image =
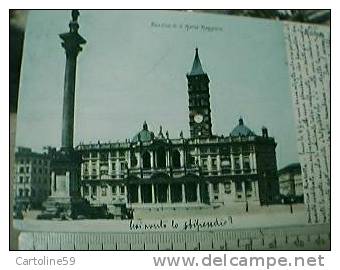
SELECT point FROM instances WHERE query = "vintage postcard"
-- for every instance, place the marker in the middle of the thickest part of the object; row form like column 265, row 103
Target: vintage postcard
column 172, row 130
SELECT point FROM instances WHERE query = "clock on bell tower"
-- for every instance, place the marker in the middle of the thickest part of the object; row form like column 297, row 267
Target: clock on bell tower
column 199, row 101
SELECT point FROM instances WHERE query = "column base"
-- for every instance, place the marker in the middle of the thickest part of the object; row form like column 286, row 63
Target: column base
column 64, row 207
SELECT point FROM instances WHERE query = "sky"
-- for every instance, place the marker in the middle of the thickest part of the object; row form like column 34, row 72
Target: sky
column 133, row 68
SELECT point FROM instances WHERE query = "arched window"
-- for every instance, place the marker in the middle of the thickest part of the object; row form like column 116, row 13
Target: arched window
column 133, row 160
column 161, row 158
column 103, row 157
column 146, row 160
column 176, row 159
column 190, row 160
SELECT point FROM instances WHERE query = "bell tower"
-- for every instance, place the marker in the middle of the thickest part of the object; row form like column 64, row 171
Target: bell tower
column 199, row 101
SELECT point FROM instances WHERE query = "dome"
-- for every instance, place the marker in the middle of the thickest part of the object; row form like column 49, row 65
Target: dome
column 144, row 135
column 241, row 130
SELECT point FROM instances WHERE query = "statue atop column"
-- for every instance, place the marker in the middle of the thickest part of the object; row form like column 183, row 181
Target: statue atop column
column 75, row 14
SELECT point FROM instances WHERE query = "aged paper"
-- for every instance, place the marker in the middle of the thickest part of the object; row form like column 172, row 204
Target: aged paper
column 308, row 52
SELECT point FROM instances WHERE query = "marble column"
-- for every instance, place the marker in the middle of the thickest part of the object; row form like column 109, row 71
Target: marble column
column 169, row 194
column 256, row 190
column 183, row 194
column 254, row 160
column 244, row 189
column 98, row 168
column 210, row 192
column 53, row 181
column 125, row 192
column 71, row 42
column 232, row 161
column 209, row 161
column 233, row 189
column 68, row 104
column 128, row 159
column 110, row 165
column 167, row 159
column 251, row 162
column 218, row 160
column 68, row 177
column 198, row 191
column 182, row 158
column 139, row 163
column 152, row 159
column 241, row 163
column 139, row 194
column 153, row 193
column 89, row 167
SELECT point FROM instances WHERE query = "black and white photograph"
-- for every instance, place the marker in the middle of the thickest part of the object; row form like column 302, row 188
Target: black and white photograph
column 172, row 130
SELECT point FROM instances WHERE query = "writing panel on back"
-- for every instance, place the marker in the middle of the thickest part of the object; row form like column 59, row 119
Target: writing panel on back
column 308, row 55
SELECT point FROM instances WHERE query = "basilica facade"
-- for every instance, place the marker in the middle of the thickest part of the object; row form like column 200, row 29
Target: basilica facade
column 153, row 170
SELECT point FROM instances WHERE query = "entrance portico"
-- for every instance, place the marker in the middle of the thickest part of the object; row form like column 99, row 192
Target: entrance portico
column 163, row 193
column 165, row 190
